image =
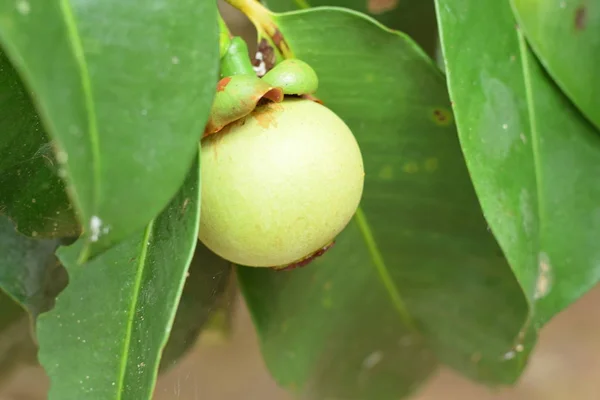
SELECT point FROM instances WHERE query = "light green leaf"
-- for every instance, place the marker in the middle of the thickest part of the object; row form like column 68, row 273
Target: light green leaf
column 566, row 37
column 533, row 158
column 104, row 338
column 415, row 279
column 124, row 88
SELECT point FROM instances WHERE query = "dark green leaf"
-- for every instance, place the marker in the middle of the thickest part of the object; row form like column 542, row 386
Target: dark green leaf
column 124, row 87
column 566, row 36
column 30, row 279
column 203, row 292
column 415, row 278
column 29, row 271
column 416, row 18
column 31, row 192
column 104, row 338
column 533, row 158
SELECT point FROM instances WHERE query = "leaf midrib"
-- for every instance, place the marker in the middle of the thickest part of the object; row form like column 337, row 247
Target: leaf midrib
column 131, row 314
column 535, row 139
column 382, row 270
column 79, row 55
column 380, row 266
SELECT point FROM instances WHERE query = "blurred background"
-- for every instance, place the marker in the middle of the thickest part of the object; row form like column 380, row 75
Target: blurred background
column 564, row 365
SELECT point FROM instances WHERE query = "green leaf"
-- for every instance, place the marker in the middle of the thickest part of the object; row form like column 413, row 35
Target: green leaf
column 416, row 278
column 124, row 89
column 30, row 279
column 104, row 338
column 564, row 35
column 533, row 158
column 416, row 18
column 29, row 271
column 31, row 192
column 209, row 276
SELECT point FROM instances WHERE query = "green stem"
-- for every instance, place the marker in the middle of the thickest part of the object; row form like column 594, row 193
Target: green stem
column 264, row 23
column 224, row 36
column 236, row 60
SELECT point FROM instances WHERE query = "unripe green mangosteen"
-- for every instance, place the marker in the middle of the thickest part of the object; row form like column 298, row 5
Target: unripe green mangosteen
column 279, row 184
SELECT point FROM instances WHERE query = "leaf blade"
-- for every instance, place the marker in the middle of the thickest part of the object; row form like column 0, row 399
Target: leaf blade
column 134, row 115
column 31, row 192
column 526, row 151
column 415, row 18
column 140, row 282
column 559, row 34
column 423, row 216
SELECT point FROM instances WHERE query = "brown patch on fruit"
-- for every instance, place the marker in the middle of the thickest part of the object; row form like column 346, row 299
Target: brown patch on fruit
column 265, row 115
column 223, row 84
column 381, row 6
column 306, row 260
column 312, row 98
column 580, row 18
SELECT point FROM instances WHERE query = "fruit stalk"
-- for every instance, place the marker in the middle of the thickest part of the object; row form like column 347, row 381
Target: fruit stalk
column 224, row 36
column 262, row 19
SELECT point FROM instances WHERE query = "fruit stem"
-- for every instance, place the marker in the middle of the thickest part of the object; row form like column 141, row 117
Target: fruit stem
column 224, row 36
column 263, row 20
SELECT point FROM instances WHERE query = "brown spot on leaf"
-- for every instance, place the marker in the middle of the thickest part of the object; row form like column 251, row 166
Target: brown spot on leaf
column 223, row 83
column 381, row 6
column 580, row 18
column 442, row 116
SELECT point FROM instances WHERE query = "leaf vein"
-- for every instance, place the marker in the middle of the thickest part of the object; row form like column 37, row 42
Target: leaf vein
column 78, row 53
column 134, row 301
column 383, row 270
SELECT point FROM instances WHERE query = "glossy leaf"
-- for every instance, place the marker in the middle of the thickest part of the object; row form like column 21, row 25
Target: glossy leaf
column 31, row 192
column 204, row 290
column 106, row 333
column 416, row 278
column 416, row 18
column 533, row 158
column 124, row 88
column 565, row 36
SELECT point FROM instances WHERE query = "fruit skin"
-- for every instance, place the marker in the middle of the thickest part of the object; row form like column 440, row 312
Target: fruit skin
column 279, row 184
